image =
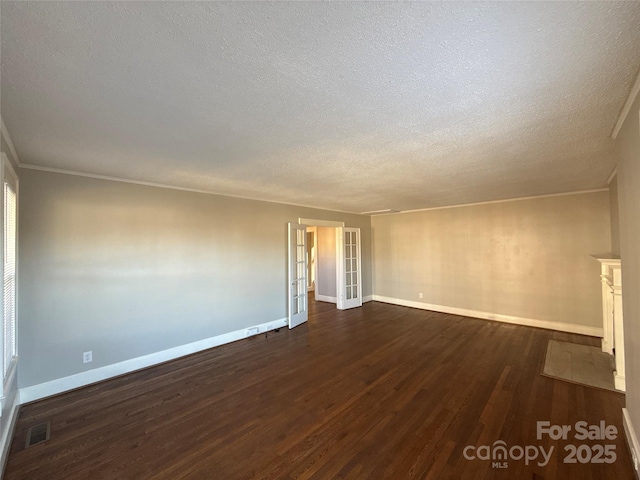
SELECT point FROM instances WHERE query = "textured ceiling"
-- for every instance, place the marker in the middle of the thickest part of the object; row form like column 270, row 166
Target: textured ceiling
column 348, row 106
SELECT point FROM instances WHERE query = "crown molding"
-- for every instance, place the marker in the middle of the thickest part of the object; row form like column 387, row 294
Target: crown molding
column 7, row 137
column 627, row 107
column 379, row 212
column 532, row 197
column 319, row 223
column 170, row 187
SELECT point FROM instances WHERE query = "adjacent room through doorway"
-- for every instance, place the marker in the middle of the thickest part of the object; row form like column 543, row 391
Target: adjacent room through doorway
column 328, row 256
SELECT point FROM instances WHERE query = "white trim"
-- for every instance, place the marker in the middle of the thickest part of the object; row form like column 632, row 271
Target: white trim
column 7, row 137
column 63, row 171
column 627, row 107
column 12, row 172
column 315, row 223
column 7, row 434
column 325, row 298
column 311, row 222
column 302, row 221
column 8, row 175
column 340, row 268
column 9, row 409
column 632, row 441
column 528, row 322
column 532, row 197
column 314, row 280
column 379, row 212
column 10, row 378
column 613, row 174
column 60, row 385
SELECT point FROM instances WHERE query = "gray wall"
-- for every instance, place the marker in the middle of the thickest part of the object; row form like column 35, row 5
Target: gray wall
column 526, row 258
column 615, row 223
column 628, row 147
column 326, row 262
column 126, row 270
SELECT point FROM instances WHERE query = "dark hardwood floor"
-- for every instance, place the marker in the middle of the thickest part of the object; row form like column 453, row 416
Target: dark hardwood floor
column 376, row 392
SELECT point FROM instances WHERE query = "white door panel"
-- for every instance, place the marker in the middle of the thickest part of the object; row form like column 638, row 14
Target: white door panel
column 349, row 268
column 297, row 311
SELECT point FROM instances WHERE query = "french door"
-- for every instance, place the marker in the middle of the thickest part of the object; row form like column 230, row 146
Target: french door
column 297, row 275
column 349, row 271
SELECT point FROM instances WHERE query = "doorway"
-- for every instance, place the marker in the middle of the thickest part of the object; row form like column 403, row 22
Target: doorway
column 326, row 286
column 341, row 275
column 325, row 260
column 312, row 252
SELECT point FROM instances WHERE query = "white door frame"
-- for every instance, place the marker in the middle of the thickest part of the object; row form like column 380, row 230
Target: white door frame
column 314, row 222
column 340, row 261
column 314, row 258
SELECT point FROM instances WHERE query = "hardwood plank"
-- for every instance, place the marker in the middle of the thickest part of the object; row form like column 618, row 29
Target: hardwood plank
column 376, row 392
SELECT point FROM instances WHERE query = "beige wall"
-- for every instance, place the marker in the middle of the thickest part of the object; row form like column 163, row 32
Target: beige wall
column 527, row 258
column 615, row 224
column 628, row 147
column 128, row 270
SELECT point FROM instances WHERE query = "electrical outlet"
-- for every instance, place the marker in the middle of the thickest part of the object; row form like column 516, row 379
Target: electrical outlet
column 420, row 295
column 252, row 331
column 87, row 357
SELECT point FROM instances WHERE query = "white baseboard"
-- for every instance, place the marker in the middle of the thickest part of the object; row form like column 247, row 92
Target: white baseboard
column 60, row 385
column 528, row 322
column 632, row 441
column 325, row 298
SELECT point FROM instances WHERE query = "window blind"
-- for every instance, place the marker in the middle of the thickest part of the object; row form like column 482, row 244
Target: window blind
column 9, row 284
